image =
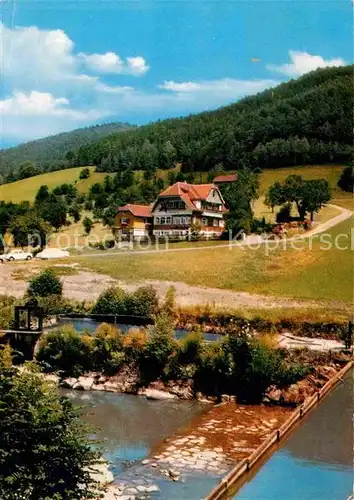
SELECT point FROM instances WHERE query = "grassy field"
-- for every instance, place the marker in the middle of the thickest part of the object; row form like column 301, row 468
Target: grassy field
column 26, row 189
column 310, row 272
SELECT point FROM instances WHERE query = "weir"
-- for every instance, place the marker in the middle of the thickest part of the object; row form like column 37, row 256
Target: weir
column 319, row 449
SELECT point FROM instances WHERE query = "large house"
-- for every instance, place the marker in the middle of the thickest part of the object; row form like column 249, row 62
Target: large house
column 133, row 222
column 183, row 209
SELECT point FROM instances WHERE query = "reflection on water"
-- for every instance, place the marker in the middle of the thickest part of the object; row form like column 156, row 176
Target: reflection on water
column 89, row 326
column 316, row 461
column 131, row 425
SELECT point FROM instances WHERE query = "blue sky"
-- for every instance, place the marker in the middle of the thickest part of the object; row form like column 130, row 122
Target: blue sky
column 68, row 64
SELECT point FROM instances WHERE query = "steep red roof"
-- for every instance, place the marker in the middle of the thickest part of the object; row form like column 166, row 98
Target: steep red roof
column 192, row 191
column 225, row 178
column 189, row 193
column 137, row 210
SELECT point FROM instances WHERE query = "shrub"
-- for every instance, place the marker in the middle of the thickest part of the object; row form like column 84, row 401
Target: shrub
column 143, row 302
column 85, row 173
column 346, row 180
column 191, row 347
column 284, row 214
column 65, row 350
column 47, row 283
column 160, row 346
column 7, row 307
column 45, row 451
column 107, row 348
column 169, row 305
column 111, row 301
column 134, row 343
column 88, row 224
column 255, row 366
column 213, row 370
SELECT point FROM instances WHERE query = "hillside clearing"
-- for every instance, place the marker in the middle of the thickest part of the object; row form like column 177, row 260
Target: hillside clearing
column 26, row 189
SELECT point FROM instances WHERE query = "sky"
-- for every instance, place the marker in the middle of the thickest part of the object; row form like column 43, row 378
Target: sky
column 69, row 64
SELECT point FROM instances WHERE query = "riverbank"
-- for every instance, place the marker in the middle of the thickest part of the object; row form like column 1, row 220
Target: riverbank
column 127, row 381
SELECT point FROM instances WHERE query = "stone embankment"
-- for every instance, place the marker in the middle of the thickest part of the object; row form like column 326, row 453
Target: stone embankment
column 128, row 382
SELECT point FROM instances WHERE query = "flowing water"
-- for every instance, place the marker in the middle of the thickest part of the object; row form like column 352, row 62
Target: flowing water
column 316, row 461
column 131, row 426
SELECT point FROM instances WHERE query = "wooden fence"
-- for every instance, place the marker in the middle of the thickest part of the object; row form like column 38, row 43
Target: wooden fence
column 246, row 464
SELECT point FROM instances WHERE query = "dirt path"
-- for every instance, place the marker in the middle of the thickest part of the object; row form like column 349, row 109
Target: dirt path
column 85, row 285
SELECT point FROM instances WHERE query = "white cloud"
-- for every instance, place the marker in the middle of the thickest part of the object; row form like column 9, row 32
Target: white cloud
column 137, row 65
column 303, row 62
column 215, row 92
column 46, row 60
column 180, row 87
column 38, row 114
column 112, row 63
column 38, row 104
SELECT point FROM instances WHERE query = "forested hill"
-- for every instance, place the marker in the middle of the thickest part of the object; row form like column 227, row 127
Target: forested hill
column 51, row 152
column 304, row 121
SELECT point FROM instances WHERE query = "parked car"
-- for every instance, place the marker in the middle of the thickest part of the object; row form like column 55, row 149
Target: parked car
column 17, row 255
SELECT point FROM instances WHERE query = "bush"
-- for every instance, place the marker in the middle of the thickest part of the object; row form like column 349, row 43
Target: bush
column 284, row 214
column 7, row 308
column 191, row 348
column 111, row 301
column 346, row 180
column 143, row 302
column 85, row 173
column 107, row 348
column 44, row 285
column 134, row 343
column 160, row 346
column 169, row 305
column 213, row 370
column 65, row 350
column 256, row 366
column 260, row 226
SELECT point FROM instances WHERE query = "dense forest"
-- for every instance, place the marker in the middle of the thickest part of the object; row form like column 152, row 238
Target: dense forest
column 51, row 153
column 304, row 121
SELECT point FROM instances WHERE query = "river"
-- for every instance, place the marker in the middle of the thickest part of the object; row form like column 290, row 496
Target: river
column 89, row 326
column 316, row 461
column 131, row 426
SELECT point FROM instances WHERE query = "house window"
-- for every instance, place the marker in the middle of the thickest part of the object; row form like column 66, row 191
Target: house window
column 124, row 220
column 215, row 222
column 176, row 220
column 204, row 221
column 157, row 221
column 221, row 223
column 168, row 220
column 163, row 221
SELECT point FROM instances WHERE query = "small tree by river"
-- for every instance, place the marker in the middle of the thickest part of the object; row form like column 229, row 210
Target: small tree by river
column 44, row 449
